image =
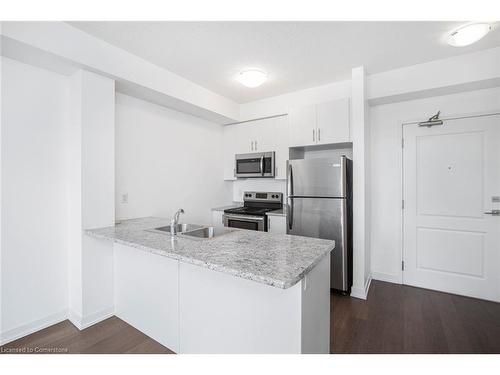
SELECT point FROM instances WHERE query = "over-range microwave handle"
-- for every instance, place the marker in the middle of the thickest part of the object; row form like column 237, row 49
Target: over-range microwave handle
column 262, row 165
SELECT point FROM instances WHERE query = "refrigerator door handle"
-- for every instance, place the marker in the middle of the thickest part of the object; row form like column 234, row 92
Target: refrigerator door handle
column 289, row 211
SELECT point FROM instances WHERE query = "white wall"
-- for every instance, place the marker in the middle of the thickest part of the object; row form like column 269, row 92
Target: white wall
column 167, row 160
column 281, row 104
column 1, row 126
column 52, row 45
column 386, row 154
column 92, row 196
column 360, row 135
column 34, row 202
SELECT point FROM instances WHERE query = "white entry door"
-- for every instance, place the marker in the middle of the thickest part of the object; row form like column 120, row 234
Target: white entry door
column 451, row 178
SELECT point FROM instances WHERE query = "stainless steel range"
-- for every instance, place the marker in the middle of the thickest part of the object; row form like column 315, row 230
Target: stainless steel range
column 253, row 213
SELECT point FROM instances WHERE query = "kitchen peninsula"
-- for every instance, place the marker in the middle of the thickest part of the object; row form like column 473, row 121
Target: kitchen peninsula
column 238, row 292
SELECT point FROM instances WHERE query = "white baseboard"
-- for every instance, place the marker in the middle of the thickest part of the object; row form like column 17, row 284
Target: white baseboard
column 29, row 328
column 362, row 293
column 91, row 319
column 388, row 277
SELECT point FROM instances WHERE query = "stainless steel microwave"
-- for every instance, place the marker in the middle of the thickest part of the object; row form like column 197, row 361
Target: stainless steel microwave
column 259, row 164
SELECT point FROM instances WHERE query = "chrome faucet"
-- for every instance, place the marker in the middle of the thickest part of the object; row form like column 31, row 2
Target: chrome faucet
column 175, row 221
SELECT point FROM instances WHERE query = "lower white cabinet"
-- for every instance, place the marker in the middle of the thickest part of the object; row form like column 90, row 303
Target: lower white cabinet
column 147, row 293
column 193, row 309
column 276, row 224
column 217, row 219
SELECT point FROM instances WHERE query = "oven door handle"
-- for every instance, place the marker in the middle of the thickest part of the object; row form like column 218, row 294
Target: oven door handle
column 262, row 165
column 244, row 217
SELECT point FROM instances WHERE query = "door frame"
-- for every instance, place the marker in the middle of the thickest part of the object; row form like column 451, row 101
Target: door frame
column 401, row 161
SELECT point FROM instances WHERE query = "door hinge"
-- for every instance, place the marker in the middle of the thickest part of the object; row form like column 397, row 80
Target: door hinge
column 402, row 265
column 402, row 204
column 402, row 143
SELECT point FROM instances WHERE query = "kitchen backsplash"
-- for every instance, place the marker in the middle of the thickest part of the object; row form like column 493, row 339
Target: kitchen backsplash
column 256, row 184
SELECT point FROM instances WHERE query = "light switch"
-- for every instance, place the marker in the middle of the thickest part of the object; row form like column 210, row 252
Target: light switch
column 125, row 198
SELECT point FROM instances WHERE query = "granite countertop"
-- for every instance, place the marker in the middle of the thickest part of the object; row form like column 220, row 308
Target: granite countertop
column 280, row 212
column 279, row 260
column 233, row 205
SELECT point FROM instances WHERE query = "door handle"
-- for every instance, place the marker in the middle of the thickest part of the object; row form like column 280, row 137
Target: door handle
column 289, row 179
column 493, row 213
column 313, row 135
column 319, row 134
column 289, row 209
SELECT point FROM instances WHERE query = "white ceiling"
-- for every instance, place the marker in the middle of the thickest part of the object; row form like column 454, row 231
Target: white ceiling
column 296, row 55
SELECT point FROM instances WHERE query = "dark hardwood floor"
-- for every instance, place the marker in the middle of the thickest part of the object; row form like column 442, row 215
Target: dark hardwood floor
column 394, row 319
column 402, row 319
column 110, row 336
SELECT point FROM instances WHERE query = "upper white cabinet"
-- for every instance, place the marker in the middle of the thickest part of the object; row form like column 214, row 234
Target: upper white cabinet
column 303, row 126
column 281, row 143
column 320, row 124
column 230, row 136
column 333, row 122
column 256, row 136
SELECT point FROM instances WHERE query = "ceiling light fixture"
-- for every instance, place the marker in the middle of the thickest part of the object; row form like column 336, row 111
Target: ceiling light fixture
column 468, row 34
column 252, row 77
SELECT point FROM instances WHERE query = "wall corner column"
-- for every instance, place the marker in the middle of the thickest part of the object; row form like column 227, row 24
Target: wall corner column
column 361, row 184
column 91, row 197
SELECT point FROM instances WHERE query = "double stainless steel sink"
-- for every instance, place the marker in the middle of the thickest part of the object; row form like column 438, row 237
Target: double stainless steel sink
column 193, row 231
column 180, row 228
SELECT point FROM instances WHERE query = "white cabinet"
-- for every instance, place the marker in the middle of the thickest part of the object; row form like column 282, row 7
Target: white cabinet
column 217, row 219
column 256, row 136
column 332, row 121
column 303, row 126
column 281, row 143
column 147, row 293
column 323, row 123
column 229, row 150
column 276, row 224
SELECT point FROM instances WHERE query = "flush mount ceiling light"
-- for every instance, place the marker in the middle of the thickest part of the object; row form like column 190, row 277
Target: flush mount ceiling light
column 468, row 34
column 251, row 77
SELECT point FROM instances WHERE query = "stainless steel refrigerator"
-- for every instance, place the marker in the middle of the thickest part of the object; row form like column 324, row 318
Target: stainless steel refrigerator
column 319, row 204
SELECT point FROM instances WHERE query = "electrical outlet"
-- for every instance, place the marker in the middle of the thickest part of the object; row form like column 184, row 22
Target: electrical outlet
column 125, row 198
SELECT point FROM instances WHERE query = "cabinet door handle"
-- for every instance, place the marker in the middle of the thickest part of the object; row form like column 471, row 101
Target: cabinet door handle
column 313, row 136
column 319, row 134
column 251, row 146
column 255, row 143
